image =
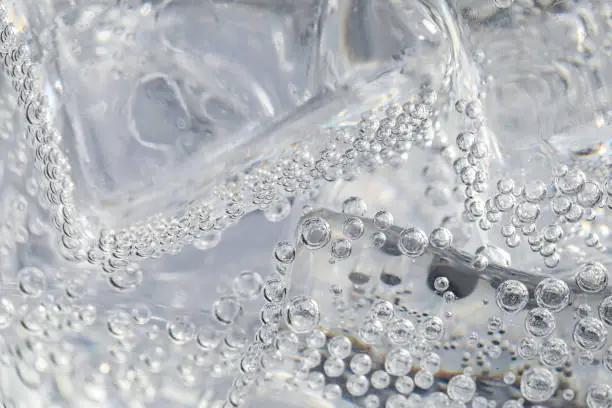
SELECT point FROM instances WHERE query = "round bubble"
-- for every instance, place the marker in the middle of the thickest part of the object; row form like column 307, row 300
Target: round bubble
column 552, row 294
column 590, row 333
column 413, row 242
column 302, row 314
column 512, row 296
column 592, row 277
column 538, row 384
column 461, row 388
column 316, row 233
column 605, row 310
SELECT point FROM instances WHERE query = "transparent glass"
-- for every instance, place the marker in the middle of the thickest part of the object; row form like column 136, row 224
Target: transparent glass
column 271, row 203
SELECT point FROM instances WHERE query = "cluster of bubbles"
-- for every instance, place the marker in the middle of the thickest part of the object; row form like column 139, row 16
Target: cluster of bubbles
column 517, row 208
column 390, row 349
column 395, row 350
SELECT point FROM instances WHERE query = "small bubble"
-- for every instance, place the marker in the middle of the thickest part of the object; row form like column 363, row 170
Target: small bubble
column 284, row 252
column 461, row 388
column 503, row 3
column 512, row 296
column 592, row 277
column 538, row 384
column 382, row 310
column 371, row 331
column 590, row 333
column 341, row 248
column 316, row 339
column 424, row 379
column 32, row 282
column 227, row 309
column 413, row 242
column 340, row 347
column 599, row 396
column 400, row 331
column 181, row 330
column 247, row 285
column 333, row 367
column 473, row 109
column 554, row 352
column 361, row 364
column 552, row 294
column 383, row 220
column 278, row 210
column 302, row 314
column 540, row 322
column 433, row 328
column 441, row 238
column 332, row 392
column 509, row 378
column 353, row 228
column 441, row 284
column 378, row 239
column 355, row 206
column 316, row 233
column 274, row 291
column 141, row 314
column 398, row 362
column 605, row 310
column 571, row 182
column 380, row 379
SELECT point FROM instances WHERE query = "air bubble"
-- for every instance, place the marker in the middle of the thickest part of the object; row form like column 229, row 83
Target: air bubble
column 32, row 282
column 461, row 388
column 341, row 248
column 284, row 252
column 355, row 206
column 383, row 220
column 398, row 362
column 592, row 277
column 227, row 309
column 538, row 384
column 512, row 296
column 605, row 310
column 590, row 334
column 441, row 238
column 302, row 314
column 413, row 242
column 316, row 233
column 247, row 285
column 540, row 322
column 353, row 228
column 552, row 294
